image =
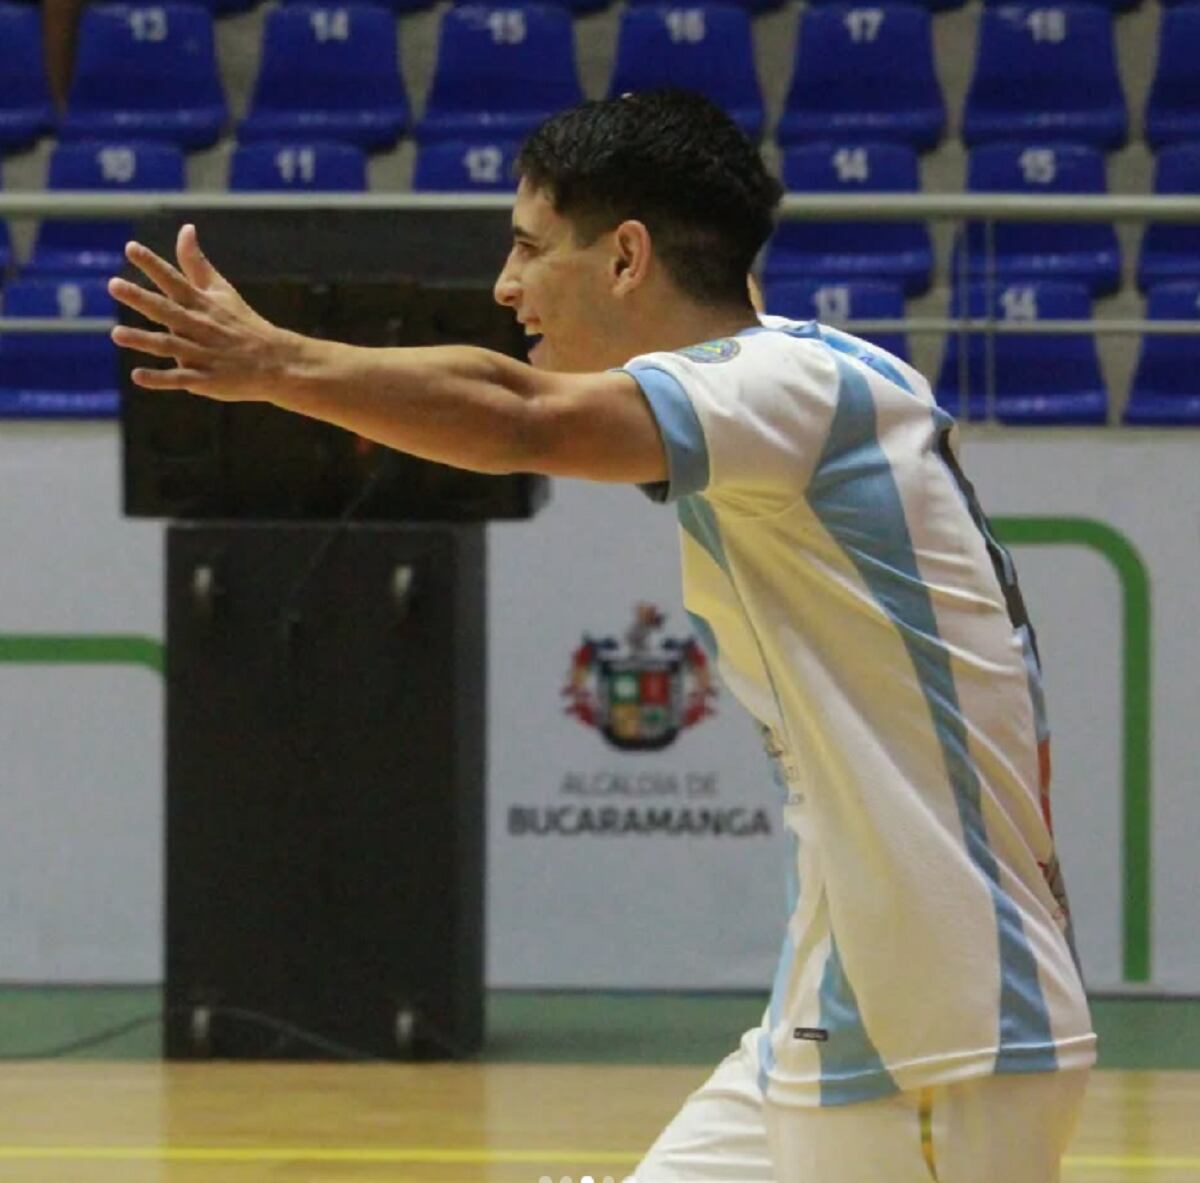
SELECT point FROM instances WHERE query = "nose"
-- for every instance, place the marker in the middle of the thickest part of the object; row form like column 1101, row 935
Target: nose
column 507, row 288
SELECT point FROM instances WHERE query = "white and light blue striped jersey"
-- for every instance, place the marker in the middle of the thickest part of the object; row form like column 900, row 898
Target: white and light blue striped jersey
column 837, row 567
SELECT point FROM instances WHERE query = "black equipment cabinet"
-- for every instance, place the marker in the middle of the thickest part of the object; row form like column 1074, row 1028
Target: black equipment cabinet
column 325, row 806
column 325, row 660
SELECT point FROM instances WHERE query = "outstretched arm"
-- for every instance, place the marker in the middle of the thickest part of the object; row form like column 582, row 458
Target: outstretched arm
column 456, row 404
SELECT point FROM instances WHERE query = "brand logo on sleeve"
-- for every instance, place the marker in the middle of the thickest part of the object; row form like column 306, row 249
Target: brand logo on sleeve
column 709, row 351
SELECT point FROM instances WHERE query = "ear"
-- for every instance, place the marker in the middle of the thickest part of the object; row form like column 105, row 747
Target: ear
column 631, row 257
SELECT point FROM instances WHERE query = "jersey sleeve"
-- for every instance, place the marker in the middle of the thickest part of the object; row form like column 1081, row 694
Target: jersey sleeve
column 743, row 420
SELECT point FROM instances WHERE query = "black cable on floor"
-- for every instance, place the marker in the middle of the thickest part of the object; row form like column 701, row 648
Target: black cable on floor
column 287, row 1031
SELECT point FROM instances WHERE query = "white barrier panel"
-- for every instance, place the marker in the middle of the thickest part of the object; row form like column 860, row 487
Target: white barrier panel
column 81, row 745
column 609, row 864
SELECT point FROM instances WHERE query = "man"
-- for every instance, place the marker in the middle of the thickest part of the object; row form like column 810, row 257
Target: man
column 927, row 1018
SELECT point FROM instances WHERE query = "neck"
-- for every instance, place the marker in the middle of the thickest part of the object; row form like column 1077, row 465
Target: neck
column 684, row 325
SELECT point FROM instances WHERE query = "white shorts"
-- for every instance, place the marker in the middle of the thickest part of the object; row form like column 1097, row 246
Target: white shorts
column 994, row 1129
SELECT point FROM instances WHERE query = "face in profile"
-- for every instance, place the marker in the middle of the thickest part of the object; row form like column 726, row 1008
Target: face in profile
column 558, row 289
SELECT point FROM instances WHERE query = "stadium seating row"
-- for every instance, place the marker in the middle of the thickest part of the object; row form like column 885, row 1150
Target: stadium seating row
column 221, row 8
column 893, row 251
column 1051, row 378
column 1055, row 378
column 901, row 251
column 860, row 73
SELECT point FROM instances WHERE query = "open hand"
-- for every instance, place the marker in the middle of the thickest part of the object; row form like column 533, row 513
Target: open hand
column 221, row 347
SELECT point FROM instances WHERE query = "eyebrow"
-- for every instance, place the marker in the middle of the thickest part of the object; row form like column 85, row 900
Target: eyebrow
column 520, row 232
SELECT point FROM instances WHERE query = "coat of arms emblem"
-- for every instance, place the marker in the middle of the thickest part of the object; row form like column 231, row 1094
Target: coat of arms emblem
column 642, row 696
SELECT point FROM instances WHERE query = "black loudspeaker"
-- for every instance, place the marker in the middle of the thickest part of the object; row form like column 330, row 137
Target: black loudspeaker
column 193, row 458
column 325, row 790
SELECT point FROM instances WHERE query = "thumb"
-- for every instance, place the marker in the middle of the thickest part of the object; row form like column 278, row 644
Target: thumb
column 192, row 260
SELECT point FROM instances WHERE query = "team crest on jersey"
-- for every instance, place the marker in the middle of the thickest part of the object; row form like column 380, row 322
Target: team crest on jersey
column 642, row 696
column 720, row 350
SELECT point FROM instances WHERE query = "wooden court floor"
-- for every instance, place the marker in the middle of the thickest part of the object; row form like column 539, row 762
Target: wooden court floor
column 139, row 1122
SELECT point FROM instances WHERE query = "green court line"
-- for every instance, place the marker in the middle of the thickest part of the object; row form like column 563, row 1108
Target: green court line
column 1131, row 572
column 563, row 1027
column 61, row 649
column 1016, row 531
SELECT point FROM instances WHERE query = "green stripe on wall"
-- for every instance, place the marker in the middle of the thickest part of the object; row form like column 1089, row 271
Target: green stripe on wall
column 1136, row 696
column 60, row 649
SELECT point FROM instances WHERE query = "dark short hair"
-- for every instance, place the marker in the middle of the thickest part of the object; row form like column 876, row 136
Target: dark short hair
column 669, row 159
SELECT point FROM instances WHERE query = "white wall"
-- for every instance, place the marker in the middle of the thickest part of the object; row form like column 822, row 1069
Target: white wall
column 80, row 746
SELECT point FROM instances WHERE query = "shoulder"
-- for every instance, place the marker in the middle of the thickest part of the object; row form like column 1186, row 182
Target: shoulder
column 792, row 357
column 765, row 357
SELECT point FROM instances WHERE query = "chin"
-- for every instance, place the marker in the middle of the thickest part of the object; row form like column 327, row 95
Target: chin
column 543, row 356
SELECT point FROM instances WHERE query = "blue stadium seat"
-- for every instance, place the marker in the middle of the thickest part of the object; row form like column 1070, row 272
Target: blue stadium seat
column 218, row 8
column 581, row 7
column 1046, row 74
column 58, row 375
column 311, row 167
column 753, row 7
column 864, row 74
column 897, row 251
column 458, row 166
column 70, row 247
column 932, row 5
column 703, row 47
column 1039, row 378
column 1173, row 108
column 146, row 72
column 25, row 108
column 1083, row 251
column 500, row 72
column 5, row 249
column 330, row 73
column 1112, row 5
column 836, row 303
column 397, row 6
column 1166, row 383
column 1171, row 251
